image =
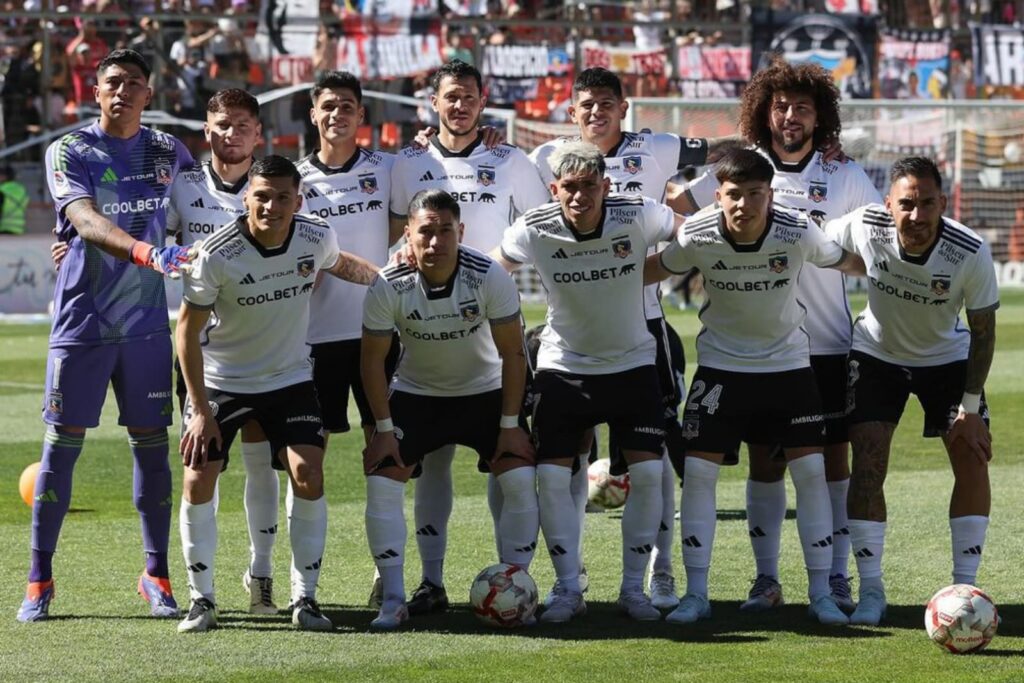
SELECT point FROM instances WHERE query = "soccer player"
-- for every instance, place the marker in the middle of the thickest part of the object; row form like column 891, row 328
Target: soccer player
column 753, row 345
column 251, row 282
column 790, row 112
column 492, row 186
column 204, row 198
column 642, row 164
column 461, row 380
column 922, row 269
column 596, row 361
column 110, row 182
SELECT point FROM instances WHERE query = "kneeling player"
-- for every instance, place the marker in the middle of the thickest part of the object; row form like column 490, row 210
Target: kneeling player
column 753, row 380
column 460, row 380
column 252, row 282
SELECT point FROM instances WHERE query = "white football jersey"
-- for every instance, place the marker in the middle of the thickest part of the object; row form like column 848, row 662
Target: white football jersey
column 353, row 200
column 447, row 347
column 642, row 163
column 492, row 186
column 595, row 318
column 255, row 341
column 825, row 190
column 913, row 312
column 202, row 203
column 752, row 319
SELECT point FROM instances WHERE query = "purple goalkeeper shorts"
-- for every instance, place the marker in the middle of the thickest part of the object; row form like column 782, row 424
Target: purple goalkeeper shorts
column 77, row 378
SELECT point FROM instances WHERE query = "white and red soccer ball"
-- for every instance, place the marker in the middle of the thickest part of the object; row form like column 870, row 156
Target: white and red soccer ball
column 961, row 618
column 604, row 489
column 503, row 595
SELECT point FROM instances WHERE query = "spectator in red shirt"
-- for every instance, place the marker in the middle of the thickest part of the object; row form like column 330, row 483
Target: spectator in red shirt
column 84, row 54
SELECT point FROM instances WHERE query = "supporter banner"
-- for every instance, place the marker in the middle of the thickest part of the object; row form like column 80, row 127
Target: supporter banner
column 514, row 72
column 913, row 65
column 386, row 57
column 718, row 71
column 998, row 55
column 845, row 44
column 386, row 10
column 288, row 33
column 624, row 60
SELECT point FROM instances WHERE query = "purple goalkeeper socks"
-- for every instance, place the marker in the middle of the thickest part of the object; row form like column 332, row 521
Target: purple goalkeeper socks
column 152, row 494
column 52, row 497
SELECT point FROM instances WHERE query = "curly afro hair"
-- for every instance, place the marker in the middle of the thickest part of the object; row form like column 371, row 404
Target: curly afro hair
column 782, row 77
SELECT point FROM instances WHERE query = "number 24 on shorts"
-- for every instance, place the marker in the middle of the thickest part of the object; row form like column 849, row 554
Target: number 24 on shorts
column 709, row 400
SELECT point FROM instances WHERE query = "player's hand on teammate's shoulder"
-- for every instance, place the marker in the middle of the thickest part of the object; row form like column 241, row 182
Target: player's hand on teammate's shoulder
column 834, row 152
column 403, row 256
column 492, row 137
column 383, row 446
column 201, row 433
column 975, row 433
column 517, row 442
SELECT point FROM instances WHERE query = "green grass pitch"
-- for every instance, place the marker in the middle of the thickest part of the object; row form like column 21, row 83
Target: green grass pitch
column 100, row 630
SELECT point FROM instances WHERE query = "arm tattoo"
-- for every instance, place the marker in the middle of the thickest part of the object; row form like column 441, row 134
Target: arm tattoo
column 95, row 228
column 354, row 269
column 983, row 346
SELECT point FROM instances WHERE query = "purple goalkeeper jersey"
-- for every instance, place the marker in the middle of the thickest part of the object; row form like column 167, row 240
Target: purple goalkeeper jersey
column 100, row 299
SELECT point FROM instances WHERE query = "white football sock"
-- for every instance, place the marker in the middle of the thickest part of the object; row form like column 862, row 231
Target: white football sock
column 766, row 509
column 520, row 517
column 579, row 487
column 868, row 540
column 262, row 488
column 495, row 501
column 431, row 511
column 560, row 523
column 813, row 520
column 968, row 539
column 198, row 527
column 697, row 521
column 840, row 527
column 308, row 533
column 386, row 532
column 661, row 558
column 640, row 520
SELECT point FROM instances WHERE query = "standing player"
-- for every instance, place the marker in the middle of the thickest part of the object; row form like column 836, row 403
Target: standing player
column 251, row 282
column 596, row 361
column 923, row 268
column 643, row 164
column 204, row 198
column 492, row 187
column 753, row 345
column 790, row 112
column 110, row 183
column 461, row 381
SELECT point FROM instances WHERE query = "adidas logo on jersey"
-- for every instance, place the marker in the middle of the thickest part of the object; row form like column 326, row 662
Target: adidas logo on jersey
column 560, row 254
column 311, row 193
column 415, row 315
column 720, row 265
column 883, row 266
column 247, row 280
column 426, row 177
column 198, row 204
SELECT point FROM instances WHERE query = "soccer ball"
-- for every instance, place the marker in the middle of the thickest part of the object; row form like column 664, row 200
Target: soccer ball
column 503, row 595
column 27, row 483
column 961, row 619
column 605, row 489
